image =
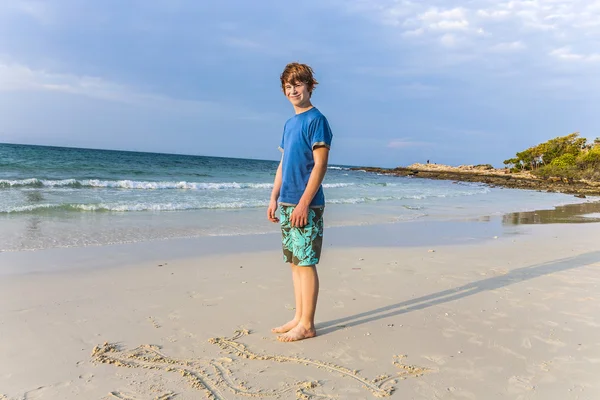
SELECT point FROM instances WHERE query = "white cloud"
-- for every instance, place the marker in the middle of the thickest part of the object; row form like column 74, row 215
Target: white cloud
column 414, row 32
column 450, row 25
column 495, row 14
column 506, row 47
column 40, row 11
column 394, row 13
column 436, row 14
column 502, row 25
column 17, row 77
column 448, row 40
column 437, row 20
column 514, row 43
column 565, row 53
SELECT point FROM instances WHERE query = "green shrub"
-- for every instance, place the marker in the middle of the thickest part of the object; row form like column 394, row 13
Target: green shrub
column 558, row 171
column 568, row 157
column 590, row 159
column 564, row 161
column 484, row 166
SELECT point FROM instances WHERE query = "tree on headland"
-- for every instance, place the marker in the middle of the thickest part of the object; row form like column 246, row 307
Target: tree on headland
column 565, row 156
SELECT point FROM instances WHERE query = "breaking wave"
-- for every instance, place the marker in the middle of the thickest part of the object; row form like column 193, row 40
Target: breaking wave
column 140, row 185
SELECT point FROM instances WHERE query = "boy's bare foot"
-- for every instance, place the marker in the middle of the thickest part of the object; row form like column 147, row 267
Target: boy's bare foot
column 286, row 328
column 298, row 333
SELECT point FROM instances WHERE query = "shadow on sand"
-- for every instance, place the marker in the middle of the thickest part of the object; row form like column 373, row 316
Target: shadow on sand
column 515, row 276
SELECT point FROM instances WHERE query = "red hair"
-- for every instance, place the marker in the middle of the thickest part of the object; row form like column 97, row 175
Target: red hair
column 296, row 72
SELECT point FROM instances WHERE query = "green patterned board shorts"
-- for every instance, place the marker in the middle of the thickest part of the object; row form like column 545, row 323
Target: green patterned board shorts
column 302, row 246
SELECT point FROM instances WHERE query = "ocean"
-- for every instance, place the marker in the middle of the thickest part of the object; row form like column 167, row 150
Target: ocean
column 66, row 197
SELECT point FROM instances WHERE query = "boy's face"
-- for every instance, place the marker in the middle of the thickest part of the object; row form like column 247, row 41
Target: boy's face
column 297, row 93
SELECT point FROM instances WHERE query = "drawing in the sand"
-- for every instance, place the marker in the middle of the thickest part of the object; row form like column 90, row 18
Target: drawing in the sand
column 214, row 378
column 123, row 396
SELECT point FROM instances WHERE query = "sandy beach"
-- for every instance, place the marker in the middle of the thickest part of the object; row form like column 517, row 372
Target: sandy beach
column 514, row 315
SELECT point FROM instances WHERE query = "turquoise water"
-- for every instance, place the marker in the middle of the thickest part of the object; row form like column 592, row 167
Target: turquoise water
column 62, row 197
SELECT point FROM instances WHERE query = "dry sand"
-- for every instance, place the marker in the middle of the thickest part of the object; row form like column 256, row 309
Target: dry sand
column 513, row 318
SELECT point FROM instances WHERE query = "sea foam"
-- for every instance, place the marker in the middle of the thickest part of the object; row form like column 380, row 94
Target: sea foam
column 141, row 185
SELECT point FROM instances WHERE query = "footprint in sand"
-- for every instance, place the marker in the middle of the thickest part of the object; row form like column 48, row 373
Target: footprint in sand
column 338, row 304
column 438, row 359
column 545, row 366
column 519, row 384
column 212, row 301
column 214, row 377
column 153, row 322
column 174, row 316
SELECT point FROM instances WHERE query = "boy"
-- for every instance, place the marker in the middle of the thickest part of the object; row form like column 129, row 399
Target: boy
column 297, row 187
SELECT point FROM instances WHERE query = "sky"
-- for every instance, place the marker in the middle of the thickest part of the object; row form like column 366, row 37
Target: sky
column 448, row 81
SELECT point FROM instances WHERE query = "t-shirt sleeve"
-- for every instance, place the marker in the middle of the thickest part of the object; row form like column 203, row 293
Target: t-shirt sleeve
column 319, row 132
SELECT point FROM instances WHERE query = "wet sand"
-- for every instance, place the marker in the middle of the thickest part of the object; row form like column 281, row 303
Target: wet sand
column 504, row 313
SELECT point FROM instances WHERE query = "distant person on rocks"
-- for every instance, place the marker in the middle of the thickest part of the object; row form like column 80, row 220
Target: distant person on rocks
column 297, row 188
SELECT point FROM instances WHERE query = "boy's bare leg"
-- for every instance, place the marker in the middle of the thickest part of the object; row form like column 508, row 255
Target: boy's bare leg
column 309, row 282
column 298, row 297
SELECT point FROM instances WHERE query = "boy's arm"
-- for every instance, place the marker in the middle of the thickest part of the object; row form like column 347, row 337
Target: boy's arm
column 299, row 216
column 275, row 196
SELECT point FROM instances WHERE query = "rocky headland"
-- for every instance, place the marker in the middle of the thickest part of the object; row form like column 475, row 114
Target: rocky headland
column 492, row 177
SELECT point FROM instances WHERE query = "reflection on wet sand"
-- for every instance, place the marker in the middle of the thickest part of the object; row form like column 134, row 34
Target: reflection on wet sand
column 33, row 196
column 567, row 214
column 33, row 231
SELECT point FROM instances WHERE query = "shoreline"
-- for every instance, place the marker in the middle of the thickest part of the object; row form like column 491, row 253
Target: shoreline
column 415, row 233
column 403, row 234
column 492, row 177
column 408, row 233
column 40, row 232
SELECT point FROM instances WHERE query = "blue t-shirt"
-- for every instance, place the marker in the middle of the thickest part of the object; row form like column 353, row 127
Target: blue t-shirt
column 301, row 134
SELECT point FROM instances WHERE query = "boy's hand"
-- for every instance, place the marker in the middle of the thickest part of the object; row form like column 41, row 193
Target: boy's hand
column 271, row 211
column 299, row 217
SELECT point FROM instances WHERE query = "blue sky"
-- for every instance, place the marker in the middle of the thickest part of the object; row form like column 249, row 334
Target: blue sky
column 400, row 81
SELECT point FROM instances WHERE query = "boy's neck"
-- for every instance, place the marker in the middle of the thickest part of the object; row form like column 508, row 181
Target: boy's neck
column 303, row 108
